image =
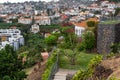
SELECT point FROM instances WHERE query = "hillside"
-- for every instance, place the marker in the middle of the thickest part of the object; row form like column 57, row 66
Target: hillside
column 108, row 68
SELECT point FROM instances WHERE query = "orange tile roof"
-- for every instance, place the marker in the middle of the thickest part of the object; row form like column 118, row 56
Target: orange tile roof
column 41, row 18
column 84, row 23
column 92, row 19
column 81, row 24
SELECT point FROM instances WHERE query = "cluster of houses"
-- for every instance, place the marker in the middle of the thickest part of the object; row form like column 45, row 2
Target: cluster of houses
column 11, row 37
column 41, row 20
column 77, row 13
column 77, row 16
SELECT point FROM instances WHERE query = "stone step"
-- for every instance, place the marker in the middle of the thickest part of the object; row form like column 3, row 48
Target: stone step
column 60, row 74
column 59, row 77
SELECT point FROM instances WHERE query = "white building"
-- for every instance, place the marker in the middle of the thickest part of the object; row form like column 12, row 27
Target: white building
column 36, row 12
column 108, row 4
column 80, row 28
column 12, row 37
column 42, row 20
column 25, row 20
column 35, row 28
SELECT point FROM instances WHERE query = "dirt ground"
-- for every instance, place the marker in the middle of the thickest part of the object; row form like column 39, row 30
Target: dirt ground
column 37, row 72
column 109, row 68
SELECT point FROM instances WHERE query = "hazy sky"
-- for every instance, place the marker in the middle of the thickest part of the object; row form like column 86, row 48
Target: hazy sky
column 2, row 1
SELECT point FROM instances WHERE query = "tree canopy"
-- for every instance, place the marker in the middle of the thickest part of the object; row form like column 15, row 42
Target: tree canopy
column 89, row 40
column 10, row 65
column 51, row 40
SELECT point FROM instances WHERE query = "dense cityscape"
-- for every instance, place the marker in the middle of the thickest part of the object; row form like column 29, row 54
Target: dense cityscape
column 60, row 40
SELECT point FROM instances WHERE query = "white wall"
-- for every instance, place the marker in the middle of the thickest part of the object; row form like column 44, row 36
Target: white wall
column 79, row 30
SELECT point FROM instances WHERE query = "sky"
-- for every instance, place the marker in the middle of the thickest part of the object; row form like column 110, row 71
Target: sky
column 2, row 1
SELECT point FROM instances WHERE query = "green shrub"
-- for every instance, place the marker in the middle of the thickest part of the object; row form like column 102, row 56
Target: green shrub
column 117, row 10
column 91, row 23
column 114, row 78
column 88, row 40
column 46, row 74
column 81, row 46
column 110, row 55
column 115, row 48
column 30, row 62
column 21, row 75
column 51, row 40
column 6, row 78
column 86, row 74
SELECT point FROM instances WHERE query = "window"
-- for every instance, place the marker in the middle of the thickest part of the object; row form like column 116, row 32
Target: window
column 76, row 31
column 80, row 32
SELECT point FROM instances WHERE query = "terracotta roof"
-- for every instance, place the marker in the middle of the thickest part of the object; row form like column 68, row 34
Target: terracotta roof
column 84, row 23
column 63, row 16
column 41, row 18
column 81, row 24
column 93, row 19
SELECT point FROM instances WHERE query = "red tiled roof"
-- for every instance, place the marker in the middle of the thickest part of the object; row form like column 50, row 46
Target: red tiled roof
column 81, row 24
column 84, row 23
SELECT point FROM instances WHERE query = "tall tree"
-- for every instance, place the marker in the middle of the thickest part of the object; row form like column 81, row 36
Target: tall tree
column 89, row 40
column 69, row 46
column 10, row 65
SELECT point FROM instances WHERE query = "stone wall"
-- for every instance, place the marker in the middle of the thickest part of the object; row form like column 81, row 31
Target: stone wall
column 117, row 33
column 105, row 37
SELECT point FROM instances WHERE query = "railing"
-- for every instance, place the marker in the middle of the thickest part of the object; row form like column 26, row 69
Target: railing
column 54, row 69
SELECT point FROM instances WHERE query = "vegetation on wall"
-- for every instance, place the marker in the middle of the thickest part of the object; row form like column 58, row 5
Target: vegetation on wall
column 50, row 62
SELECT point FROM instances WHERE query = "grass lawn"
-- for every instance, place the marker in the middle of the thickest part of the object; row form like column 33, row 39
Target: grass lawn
column 82, row 61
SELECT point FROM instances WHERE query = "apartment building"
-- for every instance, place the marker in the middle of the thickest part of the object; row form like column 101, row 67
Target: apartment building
column 42, row 20
column 25, row 20
column 11, row 37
